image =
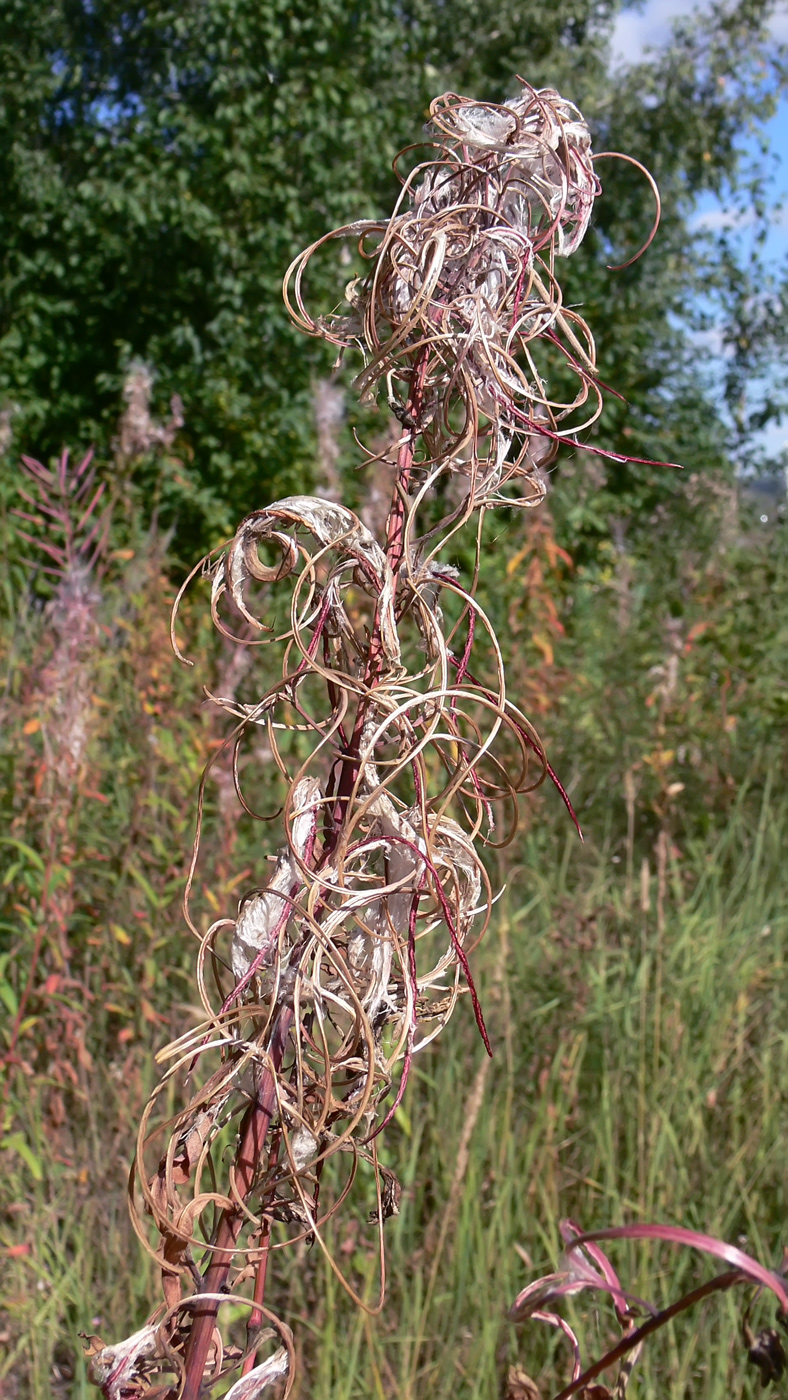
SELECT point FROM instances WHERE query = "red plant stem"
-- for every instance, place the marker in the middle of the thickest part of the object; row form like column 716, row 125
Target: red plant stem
column 253, row 1133
column 395, row 545
column 633, row 1339
column 257, row 1120
column 256, row 1317
column 466, row 655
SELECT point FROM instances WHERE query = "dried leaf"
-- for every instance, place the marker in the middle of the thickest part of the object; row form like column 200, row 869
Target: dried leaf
column 519, row 1385
column 253, row 1384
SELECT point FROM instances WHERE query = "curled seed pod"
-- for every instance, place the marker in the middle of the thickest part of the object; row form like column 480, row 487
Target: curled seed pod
column 463, row 269
column 274, row 572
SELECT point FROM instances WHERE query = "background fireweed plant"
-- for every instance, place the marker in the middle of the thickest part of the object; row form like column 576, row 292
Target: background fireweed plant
column 398, row 761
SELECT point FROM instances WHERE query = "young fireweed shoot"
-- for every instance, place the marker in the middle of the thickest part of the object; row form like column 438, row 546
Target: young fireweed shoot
column 586, row 1267
column 401, row 754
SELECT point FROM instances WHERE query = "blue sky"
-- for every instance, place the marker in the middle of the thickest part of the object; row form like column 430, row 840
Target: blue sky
column 648, row 26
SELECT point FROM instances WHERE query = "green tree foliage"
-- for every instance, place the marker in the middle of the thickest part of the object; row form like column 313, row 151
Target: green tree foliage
column 161, row 164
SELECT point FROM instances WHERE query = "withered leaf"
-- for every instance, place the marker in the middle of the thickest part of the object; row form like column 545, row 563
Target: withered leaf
column 390, row 1195
column 520, row 1386
column 767, row 1353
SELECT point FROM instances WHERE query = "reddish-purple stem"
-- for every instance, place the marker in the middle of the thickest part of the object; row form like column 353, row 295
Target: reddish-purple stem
column 633, row 1339
column 459, row 951
column 413, row 977
column 531, row 744
column 253, row 1133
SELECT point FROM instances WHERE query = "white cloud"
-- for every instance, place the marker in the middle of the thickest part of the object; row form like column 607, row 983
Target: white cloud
column 715, row 220
column 649, row 26
column 779, row 24
column 711, row 343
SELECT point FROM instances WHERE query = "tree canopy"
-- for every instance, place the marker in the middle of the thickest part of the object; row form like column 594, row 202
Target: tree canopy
column 162, row 163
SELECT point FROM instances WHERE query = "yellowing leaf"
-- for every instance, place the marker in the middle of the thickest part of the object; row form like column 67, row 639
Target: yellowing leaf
column 148, row 1012
column 660, row 758
column 32, row 726
column 121, row 934
column 545, row 646
column 516, row 560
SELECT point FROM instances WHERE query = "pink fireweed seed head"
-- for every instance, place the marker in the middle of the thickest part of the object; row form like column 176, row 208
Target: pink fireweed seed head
column 138, row 432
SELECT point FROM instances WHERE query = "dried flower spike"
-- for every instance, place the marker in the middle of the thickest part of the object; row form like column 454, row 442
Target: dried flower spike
column 400, row 763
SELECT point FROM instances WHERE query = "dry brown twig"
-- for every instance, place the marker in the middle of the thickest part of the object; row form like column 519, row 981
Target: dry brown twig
column 354, row 955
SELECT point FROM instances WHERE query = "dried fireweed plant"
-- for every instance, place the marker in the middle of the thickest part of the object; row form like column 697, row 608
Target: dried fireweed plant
column 585, row 1267
column 399, row 762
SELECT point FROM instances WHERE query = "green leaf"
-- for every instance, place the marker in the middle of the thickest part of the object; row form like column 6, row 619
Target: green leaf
column 8, row 998
column 32, row 856
column 16, row 1142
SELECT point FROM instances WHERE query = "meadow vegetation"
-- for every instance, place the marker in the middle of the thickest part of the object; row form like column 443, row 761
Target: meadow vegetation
column 634, row 984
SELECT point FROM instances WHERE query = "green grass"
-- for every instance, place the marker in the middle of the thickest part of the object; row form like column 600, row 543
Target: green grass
column 640, row 1072
column 637, row 1011
column 636, row 1077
